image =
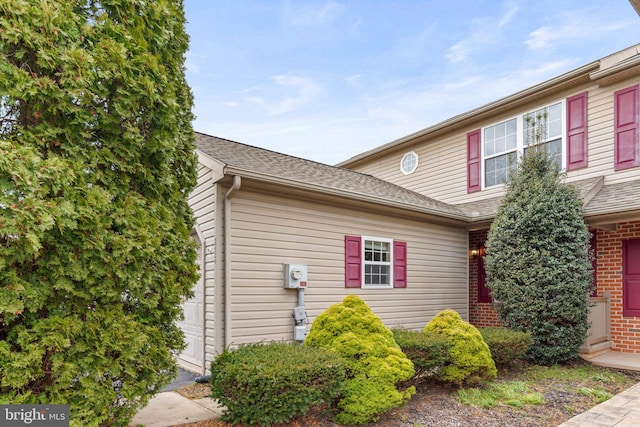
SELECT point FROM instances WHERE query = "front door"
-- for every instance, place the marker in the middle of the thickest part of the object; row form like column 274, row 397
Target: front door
column 193, row 323
column 631, row 277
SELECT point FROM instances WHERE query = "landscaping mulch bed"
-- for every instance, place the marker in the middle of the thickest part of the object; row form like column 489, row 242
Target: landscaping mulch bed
column 439, row 406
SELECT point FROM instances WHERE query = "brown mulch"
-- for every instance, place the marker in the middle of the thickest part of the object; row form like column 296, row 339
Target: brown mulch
column 438, row 406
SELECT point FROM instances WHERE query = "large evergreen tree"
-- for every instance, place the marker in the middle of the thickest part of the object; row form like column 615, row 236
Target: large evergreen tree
column 537, row 263
column 96, row 163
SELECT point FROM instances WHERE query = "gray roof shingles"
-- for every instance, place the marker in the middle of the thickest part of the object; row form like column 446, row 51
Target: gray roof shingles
column 243, row 157
column 294, row 170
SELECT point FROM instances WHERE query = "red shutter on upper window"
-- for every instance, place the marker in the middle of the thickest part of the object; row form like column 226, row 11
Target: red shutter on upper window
column 577, row 131
column 626, row 123
column 352, row 262
column 474, row 157
column 399, row 264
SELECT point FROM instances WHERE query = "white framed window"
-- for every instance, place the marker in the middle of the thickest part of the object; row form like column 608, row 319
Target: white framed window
column 409, row 163
column 503, row 142
column 377, row 262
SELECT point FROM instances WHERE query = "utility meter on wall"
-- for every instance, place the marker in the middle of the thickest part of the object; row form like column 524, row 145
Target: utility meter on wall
column 295, row 276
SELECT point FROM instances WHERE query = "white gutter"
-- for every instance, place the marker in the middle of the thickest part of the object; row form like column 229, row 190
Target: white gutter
column 237, row 182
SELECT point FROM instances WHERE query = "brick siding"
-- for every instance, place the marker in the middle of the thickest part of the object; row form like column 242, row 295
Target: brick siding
column 625, row 331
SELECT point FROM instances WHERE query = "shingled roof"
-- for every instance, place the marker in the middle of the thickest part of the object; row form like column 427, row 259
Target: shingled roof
column 615, row 198
column 269, row 166
column 282, row 169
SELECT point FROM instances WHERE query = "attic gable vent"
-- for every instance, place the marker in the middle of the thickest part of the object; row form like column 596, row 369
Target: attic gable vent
column 409, row 163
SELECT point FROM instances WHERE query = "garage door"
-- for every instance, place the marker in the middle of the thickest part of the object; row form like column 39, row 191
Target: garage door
column 192, row 325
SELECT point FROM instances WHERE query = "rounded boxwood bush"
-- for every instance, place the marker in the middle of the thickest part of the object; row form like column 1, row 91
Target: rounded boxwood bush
column 429, row 352
column 272, row 383
column 375, row 364
column 470, row 358
column 506, row 345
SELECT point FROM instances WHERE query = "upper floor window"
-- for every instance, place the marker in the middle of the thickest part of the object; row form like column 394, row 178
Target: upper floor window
column 409, row 163
column 503, row 142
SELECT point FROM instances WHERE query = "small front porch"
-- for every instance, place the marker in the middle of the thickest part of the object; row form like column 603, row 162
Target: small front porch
column 597, row 348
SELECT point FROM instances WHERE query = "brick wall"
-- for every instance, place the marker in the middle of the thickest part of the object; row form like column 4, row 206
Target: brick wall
column 625, row 331
column 480, row 314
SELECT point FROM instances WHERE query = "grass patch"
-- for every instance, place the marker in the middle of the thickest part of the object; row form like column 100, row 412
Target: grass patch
column 511, row 393
column 582, row 372
column 599, row 394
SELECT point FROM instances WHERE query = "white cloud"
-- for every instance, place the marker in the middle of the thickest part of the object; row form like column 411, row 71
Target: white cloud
column 481, row 37
column 458, row 52
column 572, row 28
column 299, row 91
column 508, row 16
column 306, row 15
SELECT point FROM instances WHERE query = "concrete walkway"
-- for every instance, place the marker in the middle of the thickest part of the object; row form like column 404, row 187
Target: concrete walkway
column 170, row 409
column 622, row 410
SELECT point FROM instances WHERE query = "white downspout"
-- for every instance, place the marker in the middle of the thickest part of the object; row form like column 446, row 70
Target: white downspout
column 237, row 182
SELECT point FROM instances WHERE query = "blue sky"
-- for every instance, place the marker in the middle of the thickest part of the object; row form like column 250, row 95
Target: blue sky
column 326, row 80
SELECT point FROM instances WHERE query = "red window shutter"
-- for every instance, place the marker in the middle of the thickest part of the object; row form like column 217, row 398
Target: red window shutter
column 399, row 264
column 626, row 122
column 352, row 262
column 631, row 278
column 577, row 131
column 474, row 157
column 484, row 293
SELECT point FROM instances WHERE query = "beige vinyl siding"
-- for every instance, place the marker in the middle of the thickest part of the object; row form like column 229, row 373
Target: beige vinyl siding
column 203, row 203
column 269, row 231
column 442, row 169
column 601, row 136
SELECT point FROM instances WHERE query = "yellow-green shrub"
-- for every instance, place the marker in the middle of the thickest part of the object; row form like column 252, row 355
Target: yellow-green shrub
column 375, row 364
column 470, row 358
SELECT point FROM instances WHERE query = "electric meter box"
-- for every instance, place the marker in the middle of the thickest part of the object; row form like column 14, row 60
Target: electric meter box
column 300, row 333
column 295, row 276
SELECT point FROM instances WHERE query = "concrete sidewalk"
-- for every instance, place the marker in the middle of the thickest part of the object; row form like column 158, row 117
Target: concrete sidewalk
column 170, row 409
column 622, row 410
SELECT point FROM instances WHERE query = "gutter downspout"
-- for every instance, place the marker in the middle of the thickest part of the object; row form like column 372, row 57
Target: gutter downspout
column 237, row 182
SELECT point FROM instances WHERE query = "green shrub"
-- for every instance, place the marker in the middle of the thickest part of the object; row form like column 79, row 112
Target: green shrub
column 537, row 261
column 429, row 352
column 272, row 383
column 470, row 358
column 375, row 364
column 96, row 164
column 506, row 345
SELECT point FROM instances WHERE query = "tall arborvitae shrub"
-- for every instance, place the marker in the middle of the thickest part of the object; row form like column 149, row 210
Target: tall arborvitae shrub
column 537, row 264
column 96, row 162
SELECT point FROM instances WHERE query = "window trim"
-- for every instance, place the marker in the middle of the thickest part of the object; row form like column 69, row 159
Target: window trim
column 415, row 166
column 520, row 143
column 389, row 264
